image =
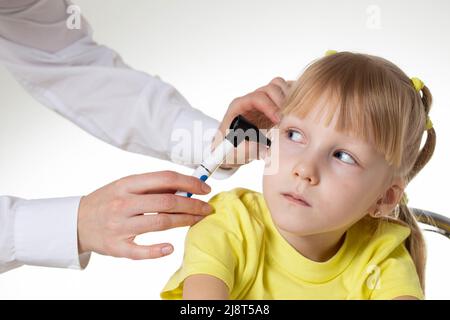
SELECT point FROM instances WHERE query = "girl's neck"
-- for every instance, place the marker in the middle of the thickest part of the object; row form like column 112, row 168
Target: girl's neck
column 319, row 247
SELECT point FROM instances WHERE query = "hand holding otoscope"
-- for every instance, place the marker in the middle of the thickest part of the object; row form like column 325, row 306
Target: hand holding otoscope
column 240, row 130
column 259, row 107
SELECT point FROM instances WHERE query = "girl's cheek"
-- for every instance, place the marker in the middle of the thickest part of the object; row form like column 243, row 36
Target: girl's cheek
column 275, row 159
column 343, row 171
column 288, row 151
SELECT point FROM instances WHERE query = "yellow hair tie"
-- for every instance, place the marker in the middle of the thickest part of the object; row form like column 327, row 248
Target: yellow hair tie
column 330, row 52
column 417, row 83
column 428, row 124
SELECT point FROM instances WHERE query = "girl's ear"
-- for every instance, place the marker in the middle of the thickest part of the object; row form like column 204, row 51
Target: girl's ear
column 391, row 197
column 271, row 157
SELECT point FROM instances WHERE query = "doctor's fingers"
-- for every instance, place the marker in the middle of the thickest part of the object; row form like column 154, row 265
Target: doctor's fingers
column 159, row 222
column 277, row 90
column 283, row 84
column 257, row 101
column 162, row 182
column 133, row 251
column 150, row 203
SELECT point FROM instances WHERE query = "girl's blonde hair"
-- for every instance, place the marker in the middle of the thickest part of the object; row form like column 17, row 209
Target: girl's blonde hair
column 377, row 102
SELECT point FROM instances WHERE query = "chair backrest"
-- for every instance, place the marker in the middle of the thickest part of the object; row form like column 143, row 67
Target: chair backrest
column 440, row 223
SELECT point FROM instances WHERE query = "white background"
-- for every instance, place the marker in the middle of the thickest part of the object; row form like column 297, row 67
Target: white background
column 213, row 51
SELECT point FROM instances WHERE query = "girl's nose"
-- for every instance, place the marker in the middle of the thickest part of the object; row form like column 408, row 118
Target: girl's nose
column 306, row 170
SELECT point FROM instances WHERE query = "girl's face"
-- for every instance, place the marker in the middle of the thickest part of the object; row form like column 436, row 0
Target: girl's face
column 338, row 176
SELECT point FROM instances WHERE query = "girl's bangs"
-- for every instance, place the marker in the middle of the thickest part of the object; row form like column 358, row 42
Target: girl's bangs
column 356, row 94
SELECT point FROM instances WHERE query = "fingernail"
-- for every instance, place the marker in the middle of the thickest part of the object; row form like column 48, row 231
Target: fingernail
column 166, row 250
column 207, row 208
column 206, row 188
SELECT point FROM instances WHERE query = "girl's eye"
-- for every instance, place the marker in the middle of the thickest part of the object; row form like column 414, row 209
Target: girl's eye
column 294, row 135
column 345, row 157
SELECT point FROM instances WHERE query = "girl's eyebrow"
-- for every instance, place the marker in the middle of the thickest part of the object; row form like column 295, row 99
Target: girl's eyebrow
column 292, row 121
column 290, row 118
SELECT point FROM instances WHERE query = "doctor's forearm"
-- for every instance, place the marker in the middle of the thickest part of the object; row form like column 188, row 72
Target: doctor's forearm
column 90, row 85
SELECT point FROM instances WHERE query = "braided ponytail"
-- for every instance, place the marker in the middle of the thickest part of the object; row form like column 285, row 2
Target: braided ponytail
column 428, row 148
column 416, row 242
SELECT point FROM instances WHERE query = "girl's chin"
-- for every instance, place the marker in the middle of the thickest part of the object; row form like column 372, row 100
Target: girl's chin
column 298, row 227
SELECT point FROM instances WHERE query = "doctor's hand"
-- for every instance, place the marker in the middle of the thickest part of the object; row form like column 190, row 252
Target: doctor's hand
column 262, row 108
column 111, row 217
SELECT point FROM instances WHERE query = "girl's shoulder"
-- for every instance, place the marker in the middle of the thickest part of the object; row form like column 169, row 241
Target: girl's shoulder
column 378, row 240
column 382, row 261
column 380, row 232
column 236, row 212
column 243, row 195
column 239, row 203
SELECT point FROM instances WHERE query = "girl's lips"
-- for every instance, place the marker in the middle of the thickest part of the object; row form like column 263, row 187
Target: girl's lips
column 296, row 199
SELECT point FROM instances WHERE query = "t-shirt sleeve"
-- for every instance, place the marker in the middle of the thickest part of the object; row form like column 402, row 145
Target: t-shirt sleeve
column 211, row 247
column 397, row 277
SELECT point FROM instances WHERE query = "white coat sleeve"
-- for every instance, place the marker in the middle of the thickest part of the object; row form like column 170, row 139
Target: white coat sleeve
column 39, row 232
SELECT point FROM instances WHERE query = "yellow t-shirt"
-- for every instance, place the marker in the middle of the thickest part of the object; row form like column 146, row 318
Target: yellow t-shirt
column 240, row 245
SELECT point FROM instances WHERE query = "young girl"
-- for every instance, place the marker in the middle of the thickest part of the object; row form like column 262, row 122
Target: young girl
column 332, row 223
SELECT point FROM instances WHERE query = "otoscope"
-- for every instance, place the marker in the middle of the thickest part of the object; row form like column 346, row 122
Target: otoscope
column 240, row 129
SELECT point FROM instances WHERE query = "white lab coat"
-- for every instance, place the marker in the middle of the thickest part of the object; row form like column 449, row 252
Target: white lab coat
column 90, row 85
